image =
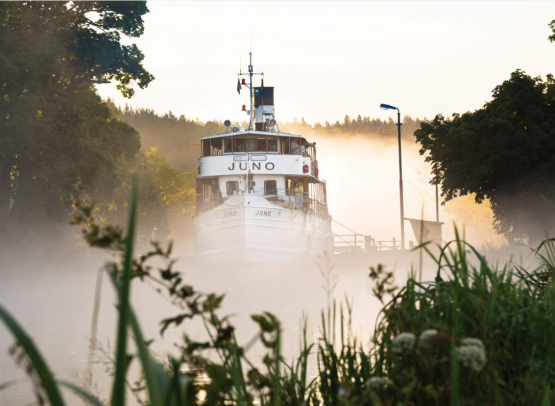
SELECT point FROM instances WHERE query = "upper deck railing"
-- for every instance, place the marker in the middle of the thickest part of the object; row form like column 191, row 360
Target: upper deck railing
column 258, row 143
column 286, row 198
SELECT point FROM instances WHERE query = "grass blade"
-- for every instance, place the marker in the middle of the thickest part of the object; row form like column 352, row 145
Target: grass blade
column 155, row 376
column 7, row 385
column 118, row 392
column 82, row 393
column 44, row 375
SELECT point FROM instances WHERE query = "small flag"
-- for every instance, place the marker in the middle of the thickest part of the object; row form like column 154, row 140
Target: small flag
column 238, row 86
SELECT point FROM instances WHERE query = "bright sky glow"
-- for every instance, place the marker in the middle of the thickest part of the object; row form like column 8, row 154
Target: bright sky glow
column 327, row 59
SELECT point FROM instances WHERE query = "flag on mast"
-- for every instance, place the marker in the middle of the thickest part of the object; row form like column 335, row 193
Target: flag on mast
column 238, row 86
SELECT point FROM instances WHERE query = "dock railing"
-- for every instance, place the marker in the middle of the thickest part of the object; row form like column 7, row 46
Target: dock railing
column 383, row 245
column 347, row 242
column 351, row 241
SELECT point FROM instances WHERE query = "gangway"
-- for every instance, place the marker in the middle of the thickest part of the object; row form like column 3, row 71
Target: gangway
column 351, row 241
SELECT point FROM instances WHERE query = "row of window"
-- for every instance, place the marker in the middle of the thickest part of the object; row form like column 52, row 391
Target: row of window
column 270, row 187
column 231, row 145
column 210, row 187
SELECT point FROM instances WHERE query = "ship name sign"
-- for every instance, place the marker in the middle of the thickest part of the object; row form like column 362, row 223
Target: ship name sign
column 255, row 165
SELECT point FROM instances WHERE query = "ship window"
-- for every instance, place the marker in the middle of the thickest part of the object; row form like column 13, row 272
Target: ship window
column 261, row 144
column 295, row 146
column 239, row 145
column 216, row 146
column 272, row 144
column 207, row 191
column 285, row 145
column 250, row 144
column 289, row 186
column 270, row 187
column 228, row 144
column 231, row 187
column 205, row 147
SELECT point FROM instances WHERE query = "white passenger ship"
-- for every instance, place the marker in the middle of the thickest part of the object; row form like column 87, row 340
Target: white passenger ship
column 259, row 196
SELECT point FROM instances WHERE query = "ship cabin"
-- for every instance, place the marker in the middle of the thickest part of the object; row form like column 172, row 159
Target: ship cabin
column 282, row 168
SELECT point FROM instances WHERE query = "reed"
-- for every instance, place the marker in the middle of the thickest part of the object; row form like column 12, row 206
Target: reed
column 478, row 334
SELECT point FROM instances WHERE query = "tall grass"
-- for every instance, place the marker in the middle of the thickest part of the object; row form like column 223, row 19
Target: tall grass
column 477, row 335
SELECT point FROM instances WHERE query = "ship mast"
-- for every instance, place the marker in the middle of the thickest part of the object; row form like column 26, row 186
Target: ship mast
column 250, row 89
column 251, row 111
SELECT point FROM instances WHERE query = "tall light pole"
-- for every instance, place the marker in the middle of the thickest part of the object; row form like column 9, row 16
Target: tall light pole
column 388, row 107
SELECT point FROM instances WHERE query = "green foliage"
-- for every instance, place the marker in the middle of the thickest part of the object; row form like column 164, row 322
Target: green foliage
column 507, row 316
column 177, row 188
column 58, row 141
column 503, row 152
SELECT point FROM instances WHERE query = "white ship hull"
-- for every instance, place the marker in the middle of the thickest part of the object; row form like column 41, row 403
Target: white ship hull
column 250, row 228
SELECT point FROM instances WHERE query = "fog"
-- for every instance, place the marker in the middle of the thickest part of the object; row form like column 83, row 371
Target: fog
column 54, row 298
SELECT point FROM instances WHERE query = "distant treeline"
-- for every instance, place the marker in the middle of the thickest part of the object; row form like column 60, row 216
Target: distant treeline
column 178, row 138
column 367, row 126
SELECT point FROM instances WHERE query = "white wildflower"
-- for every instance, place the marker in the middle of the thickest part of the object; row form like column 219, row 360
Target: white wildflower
column 473, row 342
column 342, row 393
column 404, row 341
column 378, row 382
column 426, row 334
column 472, row 353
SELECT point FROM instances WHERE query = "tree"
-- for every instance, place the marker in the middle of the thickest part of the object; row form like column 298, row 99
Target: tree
column 504, row 152
column 551, row 38
column 177, row 188
column 58, row 140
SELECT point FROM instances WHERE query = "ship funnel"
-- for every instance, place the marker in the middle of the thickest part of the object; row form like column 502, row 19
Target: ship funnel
column 264, row 110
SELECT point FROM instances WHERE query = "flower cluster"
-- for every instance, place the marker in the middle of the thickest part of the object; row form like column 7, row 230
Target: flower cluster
column 472, row 353
column 378, row 382
column 423, row 340
column 403, row 342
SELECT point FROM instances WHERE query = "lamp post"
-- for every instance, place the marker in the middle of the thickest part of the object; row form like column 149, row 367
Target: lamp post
column 388, row 107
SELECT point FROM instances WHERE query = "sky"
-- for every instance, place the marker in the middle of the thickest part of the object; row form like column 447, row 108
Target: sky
column 328, row 59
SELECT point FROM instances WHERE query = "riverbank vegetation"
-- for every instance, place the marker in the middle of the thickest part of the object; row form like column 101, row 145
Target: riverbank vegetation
column 502, row 152
column 59, row 142
column 477, row 334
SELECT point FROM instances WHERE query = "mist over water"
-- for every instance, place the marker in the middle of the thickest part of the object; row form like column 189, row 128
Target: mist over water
column 363, row 184
column 54, row 300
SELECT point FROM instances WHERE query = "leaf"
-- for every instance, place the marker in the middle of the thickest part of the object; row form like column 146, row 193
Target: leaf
column 118, row 392
column 547, row 397
column 155, row 376
column 7, row 385
column 44, row 374
column 82, row 393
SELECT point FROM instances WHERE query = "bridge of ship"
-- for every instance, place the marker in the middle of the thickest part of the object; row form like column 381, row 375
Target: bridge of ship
column 279, row 166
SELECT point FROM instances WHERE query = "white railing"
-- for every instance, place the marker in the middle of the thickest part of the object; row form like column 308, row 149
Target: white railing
column 287, row 198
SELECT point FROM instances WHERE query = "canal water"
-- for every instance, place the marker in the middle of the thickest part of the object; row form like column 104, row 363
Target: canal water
column 55, row 305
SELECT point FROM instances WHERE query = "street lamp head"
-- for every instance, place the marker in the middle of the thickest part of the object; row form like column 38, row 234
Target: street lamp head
column 387, row 107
